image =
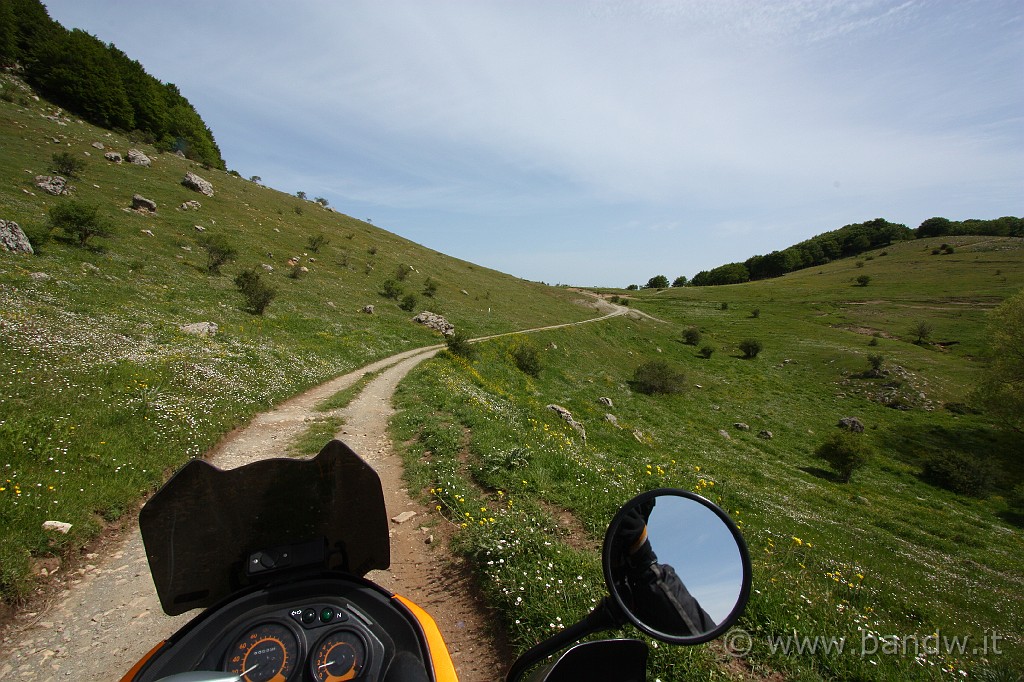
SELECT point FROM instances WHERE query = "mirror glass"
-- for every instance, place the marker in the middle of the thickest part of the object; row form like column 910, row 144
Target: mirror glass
column 677, row 566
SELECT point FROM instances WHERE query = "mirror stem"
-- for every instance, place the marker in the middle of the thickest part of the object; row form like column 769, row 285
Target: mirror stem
column 605, row 616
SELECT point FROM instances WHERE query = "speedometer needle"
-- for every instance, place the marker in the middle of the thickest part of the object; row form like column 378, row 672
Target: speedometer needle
column 325, row 665
column 246, row 672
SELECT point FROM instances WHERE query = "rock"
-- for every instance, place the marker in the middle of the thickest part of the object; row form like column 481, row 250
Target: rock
column 464, row 292
column 196, row 183
column 40, row 276
column 766, row 435
column 429, row 540
column 191, row 205
column 724, row 434
column 180, row 154
column 138, row 158
column 148, row 233
column 368, row 309
column 90, row 268
column 268, row 267
column 141, row 203
column 566, row 415
column 435, row 322
column 54, row 184
column 613, row 420
column 741, row 426
column 98, row 145
column 607, row 402
column 639, row 435
column 403, row 517
column 200, row 328
column 851, row 424
column 12, row 238
column 58, row 526
column 199, row 228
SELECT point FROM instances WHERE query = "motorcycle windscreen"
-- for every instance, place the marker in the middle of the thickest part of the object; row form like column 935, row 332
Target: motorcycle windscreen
column 202, row 526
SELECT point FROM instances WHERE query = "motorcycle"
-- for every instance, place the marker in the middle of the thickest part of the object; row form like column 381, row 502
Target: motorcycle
column 276, row 551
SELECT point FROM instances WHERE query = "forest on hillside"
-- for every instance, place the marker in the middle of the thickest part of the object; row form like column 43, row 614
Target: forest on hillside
column 100, row 83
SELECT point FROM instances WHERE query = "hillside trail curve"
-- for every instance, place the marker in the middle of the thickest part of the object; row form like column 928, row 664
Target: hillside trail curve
column 106, row 615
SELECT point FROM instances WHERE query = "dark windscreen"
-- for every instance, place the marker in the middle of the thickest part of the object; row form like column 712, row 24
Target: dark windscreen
column 201, row 527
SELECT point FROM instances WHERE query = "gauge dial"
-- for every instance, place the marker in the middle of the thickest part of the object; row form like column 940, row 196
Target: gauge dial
column 339, row 656
column 266, row 653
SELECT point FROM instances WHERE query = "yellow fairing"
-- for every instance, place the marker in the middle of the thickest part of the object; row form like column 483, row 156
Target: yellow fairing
column 440, row 659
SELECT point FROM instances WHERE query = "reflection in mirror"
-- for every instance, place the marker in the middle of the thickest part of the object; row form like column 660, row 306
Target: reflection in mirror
column 676, row 565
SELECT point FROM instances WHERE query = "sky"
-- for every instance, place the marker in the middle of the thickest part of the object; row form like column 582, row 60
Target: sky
column 602, row 143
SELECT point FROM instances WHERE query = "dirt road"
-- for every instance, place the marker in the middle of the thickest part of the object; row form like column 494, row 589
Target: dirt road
column 109, row 615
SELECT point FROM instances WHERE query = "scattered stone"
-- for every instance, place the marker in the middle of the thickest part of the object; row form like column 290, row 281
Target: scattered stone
column 40, row 277
column 639, row 435
column 766, row 435
column 58, row 526
column 403, row 517
column 464, row 292
column 54, row 184
column 98, row 145
column 90, row 268
column 196, row 183
column 607, row 402
column 741, row 426
column 268, row 267
column 566, row 415
column 148, row 233
column 613, row 420
column 200, row 328
column 138, row 158
column 435, row 322
column 12, row 238
column 191, row 205
column 724, row 434
column 141, row 203
column 199, row 228
column 368, row 309
column 851, row 424
column 429, row 540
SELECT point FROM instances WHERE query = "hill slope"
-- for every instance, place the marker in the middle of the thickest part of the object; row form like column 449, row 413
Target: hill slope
column 103, row 393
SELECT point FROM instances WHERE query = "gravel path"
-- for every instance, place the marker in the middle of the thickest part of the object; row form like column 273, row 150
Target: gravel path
column 109, row 616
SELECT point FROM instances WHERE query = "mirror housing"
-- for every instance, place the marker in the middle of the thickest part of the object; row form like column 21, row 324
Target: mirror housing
column 676, row 566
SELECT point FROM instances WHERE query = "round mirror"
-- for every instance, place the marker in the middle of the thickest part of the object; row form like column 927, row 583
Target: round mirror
column 677, row 566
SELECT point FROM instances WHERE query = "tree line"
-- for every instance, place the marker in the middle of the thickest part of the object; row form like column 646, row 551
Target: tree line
column 100, row 83
column 849, row 240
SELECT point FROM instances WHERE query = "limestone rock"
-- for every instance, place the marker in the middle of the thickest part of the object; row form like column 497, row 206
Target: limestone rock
column 851, row 424
column 191, row 205
column 741, row 426
column 98, row 145
column 12, row 238
column 435, row 322
column 765, row 434
column 54, row 184
column 40, row 276
column 113, row 157
column 566, row 415
column 613, row 420
column 58, row 526
column 724, row 434
column 200, row 328
column 403, row 517
column 138, row 158
column 368, row 309
column 141, row 203
column 607, row 402
column 198, row 184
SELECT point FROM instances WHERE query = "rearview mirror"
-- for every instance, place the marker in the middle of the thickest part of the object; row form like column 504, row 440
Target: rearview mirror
column 677, row 566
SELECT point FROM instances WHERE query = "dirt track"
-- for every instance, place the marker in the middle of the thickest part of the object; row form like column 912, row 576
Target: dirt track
column 109, row 615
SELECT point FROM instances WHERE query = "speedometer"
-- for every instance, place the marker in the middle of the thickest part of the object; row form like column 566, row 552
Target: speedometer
column 265, row 653
column 339, row 656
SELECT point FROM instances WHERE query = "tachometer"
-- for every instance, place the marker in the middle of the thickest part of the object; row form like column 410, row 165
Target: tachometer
column 339, row 656
column 265, row 653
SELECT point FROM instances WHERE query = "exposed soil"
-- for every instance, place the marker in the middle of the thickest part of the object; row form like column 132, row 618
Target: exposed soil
column 103, row 615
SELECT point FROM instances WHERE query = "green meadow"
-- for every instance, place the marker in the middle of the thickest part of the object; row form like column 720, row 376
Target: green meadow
column 884, row 555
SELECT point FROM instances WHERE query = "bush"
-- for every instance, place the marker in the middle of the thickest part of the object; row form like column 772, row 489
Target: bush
column 657, row 376
column 218, row 251
column 80, row 221
column 959, row 473
column 527, row 358
column 691, row 336
column 724, row 306
column 67, row 164
column 750, row 348
column 657, row 282
column 876, row 360
column 317, row 242
column 402, row 272
column 755, row 313
column 845, row 452
column 391, row 289
column 458, row 344
column 633, row 287
column 409, row 302
column 922, row 330
column 706, row 352
column 863, row 280
column 429, row 288
column 258, row 294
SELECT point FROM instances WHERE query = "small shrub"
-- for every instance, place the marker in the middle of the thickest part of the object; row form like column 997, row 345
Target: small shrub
column 691, row 336
column 884, row 253
column 429, row 288
column 633, row 287
column 527, row 358
column 876, row 360
column 959, row 473
column 863, row 280
column 297, row 271
column 372, row 250
column 657, row 376
column 317, row 242
column 706, row 352
column 755, row 313
column 409, row 302
column 323, row 202
column 921, row 330
column 859, row 264
column 391, row 289
column 750, row 348
column 402, row 272
column 67, row 164
column 845, row 452
column 724, row 306
column 873, row 341
column 258, row 294
column 80, row 221
column 218, row 251
column 458, row 344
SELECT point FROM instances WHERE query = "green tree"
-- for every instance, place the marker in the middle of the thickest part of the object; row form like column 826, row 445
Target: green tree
column 845, row 452
column 258, row 294
column 658, row 376
column 922, row 330
column 657, row 282
column 1002, row 388
column 8, row 36
column 78, row 220
column 679, row 281
column 218, row 251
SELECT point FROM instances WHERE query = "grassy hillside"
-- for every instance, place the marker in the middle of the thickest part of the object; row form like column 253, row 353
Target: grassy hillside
column 885, row 554
column 102, row 393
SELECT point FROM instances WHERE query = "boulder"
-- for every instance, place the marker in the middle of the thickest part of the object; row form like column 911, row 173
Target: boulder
column 741, row 426
column 268, row 267
column 12, row 238
column 435, row 322
column 54, row 184
column 138, row 158
column 766, row 435
column 607, row 402
column 368, row 309
column 98, row 145
column 113, row 157
column 191, row 205
column 141, row 203
column 566, row 415
column 200, row 328
column 613, row 420
column 851, row 424
column 724, row 434
column 197, row 184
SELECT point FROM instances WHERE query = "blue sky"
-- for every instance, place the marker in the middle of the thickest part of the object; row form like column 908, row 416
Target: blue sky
column 602, row 143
